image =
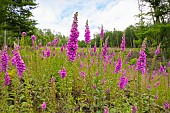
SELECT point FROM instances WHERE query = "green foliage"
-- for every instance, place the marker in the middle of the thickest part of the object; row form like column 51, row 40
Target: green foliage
column 15, row 18
column 132, row 61
column 76, row 93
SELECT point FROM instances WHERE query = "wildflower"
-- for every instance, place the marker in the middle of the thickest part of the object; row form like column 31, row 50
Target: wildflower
column 62, row 73
column 108, row 90
column 52, row 79
column 72, row 44
column 157, row 84
column 48, row 52
column 97, row 73
column 105, row 68
column 82, row 74
column 158, row 50
column 141, row 62
column 123, row 43
column 166, row 104
column 87, row 34
column 49, row 44
column 44, row 53
column 24, row 34
column 149, row 87
column 134, row 109
column 106, row 110
column 43, row 106
column 33, row 38
column 94, row 86
column 4, row 60
column 62, row 49
column 19, row 63
column 169, row 63
column 144, row 44
column 123, row 82
column 102, row 33
column 40, row 45
column 7, row 79
column 162, row 69
column 81, row 65
column 13, row 61
column 94, row 48
column 103, row 81
column 36, row 47
column 104, row 51
column 165, row 74
column 156, row 97
column 129, row 54
column 118, row 66
column 32, row 43
column 55, row 41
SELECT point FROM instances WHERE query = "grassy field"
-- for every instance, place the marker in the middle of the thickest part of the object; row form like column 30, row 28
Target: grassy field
column 90, row 83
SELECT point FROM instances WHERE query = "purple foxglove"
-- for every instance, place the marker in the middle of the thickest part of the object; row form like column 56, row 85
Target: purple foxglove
column 72, row 45
column 87, row 34
column 7, row 79
column 43, row 106
column 118, row 66
column 62, row 73
column 141, row 62
column 123, row 82
column 158, row 50
column 4, row 60
column 24, row 33
column 102, row 33
column 123, row 44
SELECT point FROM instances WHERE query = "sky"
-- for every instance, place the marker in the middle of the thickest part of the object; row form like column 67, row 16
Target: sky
column 57, row 15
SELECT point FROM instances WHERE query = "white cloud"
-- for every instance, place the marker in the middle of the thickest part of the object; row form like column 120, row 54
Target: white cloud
column 57, row 15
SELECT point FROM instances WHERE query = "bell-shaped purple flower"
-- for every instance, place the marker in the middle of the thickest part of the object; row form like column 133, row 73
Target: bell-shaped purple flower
column 106, row 110
column 166, row 104
column 72, row 45
column 94, row 86
column 104, row 51
column 43, row 106
column 123, row 82
column 33, row 38
column 20, row 65
column 108, row 90
column 162, row 69
column 123, row 44
column 87, row 34
column 141, row 62
column 83, row 74
column 33, row 43
column 24, row 33
column 156, row 97
column 158, row 50
column 129, row 54
column 55, row 41
column 48, row 52
column 62, row 73
column 102, row 33
column 7, row 79
column 118, row 66
column 94, row 48
column 134, row 109
column 49, row 44
column 4, row 60
column 169, row 64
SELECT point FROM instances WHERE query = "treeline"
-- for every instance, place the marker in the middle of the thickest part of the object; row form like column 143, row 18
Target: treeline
column 15, row 18
column 153, row 25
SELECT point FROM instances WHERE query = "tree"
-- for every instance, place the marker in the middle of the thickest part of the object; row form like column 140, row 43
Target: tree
column 15, row 16
column 157, row 30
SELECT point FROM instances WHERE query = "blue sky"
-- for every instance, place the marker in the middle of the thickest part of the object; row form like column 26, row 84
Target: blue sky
column 57, row 15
